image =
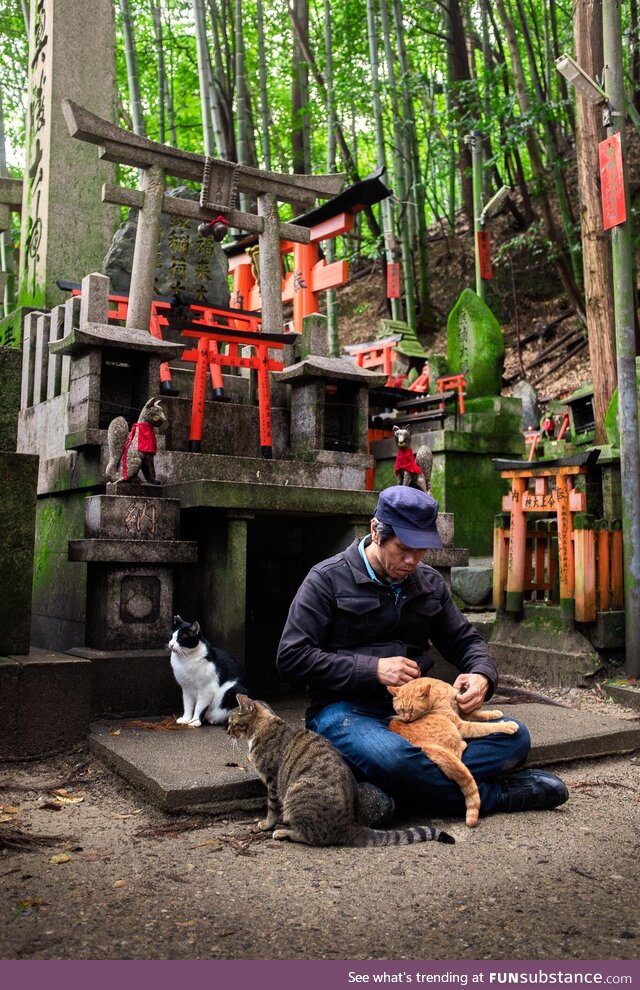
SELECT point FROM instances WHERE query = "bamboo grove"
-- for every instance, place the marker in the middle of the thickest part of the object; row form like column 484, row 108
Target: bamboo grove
column 316, row 85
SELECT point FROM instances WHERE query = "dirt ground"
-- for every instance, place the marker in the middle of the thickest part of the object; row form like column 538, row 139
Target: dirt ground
column 121, row 880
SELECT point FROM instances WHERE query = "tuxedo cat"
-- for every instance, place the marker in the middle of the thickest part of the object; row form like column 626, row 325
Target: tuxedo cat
column 209, row 677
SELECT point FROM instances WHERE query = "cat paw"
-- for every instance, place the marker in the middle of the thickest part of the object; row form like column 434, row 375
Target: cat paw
column 510, row 728
column 183, row 720
column 195, row 723
column 265, row 825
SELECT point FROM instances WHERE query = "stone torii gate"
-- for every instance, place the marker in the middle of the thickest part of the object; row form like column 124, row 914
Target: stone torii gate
column 220, row 183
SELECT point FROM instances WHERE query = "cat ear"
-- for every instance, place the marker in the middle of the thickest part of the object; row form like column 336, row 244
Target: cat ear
column 177, row 621
column 195, row 628
column 246, row 704
column 392, row 690
column 425, row 690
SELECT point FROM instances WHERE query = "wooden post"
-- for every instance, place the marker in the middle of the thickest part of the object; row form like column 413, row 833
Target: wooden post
column 500, row 551
column 604, row 565
column 305, row 300
column 585, row 568
column 243, row 282
column 143, row 268
column 565, row 548
column 514, row 599
column 264, row 402
column 199, row 395
column 617, row 567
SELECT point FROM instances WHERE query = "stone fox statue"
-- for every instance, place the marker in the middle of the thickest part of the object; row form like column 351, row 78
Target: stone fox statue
column 132, row 450
column 410, row 470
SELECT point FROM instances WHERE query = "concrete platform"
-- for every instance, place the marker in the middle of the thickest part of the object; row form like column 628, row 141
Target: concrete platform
column 199, row 770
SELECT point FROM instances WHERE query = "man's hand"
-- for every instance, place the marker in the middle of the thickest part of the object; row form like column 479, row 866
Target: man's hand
column 395, row 671
column 472, row 689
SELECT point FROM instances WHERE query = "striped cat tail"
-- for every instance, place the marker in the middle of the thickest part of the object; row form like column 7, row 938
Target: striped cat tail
column 400, row 836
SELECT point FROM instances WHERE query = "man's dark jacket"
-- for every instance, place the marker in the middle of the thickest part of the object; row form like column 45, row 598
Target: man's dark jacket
column 341, row 622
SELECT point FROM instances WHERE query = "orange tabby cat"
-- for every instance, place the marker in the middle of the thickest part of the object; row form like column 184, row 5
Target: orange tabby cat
column 429, row 717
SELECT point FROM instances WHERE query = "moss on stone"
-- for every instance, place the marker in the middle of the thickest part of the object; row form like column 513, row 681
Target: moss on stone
column 475, row 345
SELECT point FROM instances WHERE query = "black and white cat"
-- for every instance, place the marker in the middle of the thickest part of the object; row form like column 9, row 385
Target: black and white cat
column 209, row 677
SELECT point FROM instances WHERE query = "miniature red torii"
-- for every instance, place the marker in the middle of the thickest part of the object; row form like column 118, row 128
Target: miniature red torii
column 310, row 275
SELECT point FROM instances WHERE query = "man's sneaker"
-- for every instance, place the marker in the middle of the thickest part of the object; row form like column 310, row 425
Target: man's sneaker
column 531, row 790
column 375, row 808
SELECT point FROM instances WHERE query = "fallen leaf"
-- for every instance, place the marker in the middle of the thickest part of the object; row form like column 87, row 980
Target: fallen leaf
column 9, row 809
column 30, row 902
column 114, row 732
column 64, row 797
column 7, row 818
column 210, row 842
column 60, row 858
column 119, row 883
column 185, row 924
column 52, row 806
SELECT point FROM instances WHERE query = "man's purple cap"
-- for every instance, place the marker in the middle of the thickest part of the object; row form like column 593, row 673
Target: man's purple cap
column 411, row 514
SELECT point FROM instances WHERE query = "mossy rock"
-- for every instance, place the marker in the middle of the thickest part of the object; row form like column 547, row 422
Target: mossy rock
column 611, row 426
column 475, row 345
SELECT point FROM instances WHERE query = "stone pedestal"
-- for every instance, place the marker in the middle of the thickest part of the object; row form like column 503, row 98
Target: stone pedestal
column 45, row 703
column 130, row 545
column 329, row 404
column 111, row 373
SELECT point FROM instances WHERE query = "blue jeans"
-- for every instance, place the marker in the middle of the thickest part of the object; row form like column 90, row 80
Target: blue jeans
column 404, row 772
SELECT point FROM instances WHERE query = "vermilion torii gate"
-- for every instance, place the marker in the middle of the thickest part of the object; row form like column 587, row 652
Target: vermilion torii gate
column 310, row 273
column 220, row 183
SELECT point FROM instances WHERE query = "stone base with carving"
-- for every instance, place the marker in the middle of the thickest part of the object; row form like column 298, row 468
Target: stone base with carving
column 131, row 542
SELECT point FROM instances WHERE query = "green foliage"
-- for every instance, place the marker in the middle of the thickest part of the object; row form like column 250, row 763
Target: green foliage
column 442, row 112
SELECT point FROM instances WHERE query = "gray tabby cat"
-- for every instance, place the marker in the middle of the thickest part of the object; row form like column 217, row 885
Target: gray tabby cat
column 311, row 792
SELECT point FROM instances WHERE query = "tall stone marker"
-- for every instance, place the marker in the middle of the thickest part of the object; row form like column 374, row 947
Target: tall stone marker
column 475, row 345
column 65, row 229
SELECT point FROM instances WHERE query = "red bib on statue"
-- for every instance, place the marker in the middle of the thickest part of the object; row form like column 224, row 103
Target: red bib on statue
column 405, row 461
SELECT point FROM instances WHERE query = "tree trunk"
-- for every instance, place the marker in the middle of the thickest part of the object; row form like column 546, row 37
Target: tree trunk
column 348, row 157
column 157, row 26
column 386, row 206
column 242, row 142
column 264, row 97
column 131, row 59
column 459, row 67
column 634, row 54
column 596, row 251
column 330, row 246
column 400, row 173
column 204, row 76
column 562, row 262
column 300, row 91
column 417, row 195
column 222, row 78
